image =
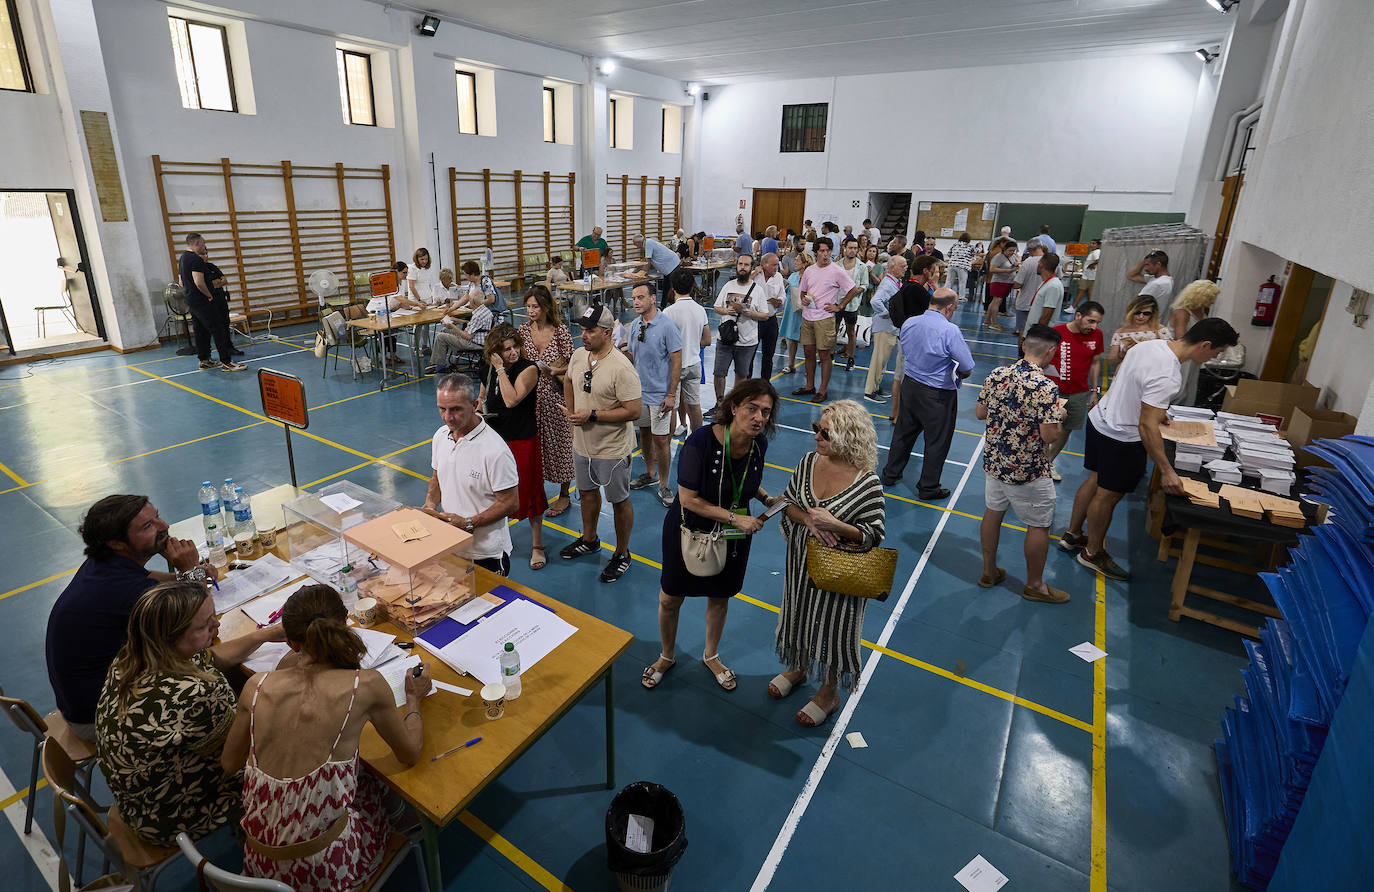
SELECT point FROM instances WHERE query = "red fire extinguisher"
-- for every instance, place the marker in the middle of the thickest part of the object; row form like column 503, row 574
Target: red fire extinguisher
column 1267, row 304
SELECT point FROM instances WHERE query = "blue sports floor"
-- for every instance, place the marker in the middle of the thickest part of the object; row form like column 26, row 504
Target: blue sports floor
column 985, row 735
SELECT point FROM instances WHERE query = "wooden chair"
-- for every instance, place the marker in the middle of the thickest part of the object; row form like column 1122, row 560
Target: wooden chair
column 137, row 862
column 81, row 752
column 398, row 845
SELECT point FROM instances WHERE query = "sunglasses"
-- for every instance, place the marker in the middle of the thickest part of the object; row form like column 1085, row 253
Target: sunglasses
column 824, row 432
column 587, row 381
column 642, row 329
column 1146, row 313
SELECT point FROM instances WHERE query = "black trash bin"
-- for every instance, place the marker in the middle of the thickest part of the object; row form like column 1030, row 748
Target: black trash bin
column 649, row 871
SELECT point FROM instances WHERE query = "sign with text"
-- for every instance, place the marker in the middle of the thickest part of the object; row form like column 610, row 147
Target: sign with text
column 283, row 398
column 384, row 283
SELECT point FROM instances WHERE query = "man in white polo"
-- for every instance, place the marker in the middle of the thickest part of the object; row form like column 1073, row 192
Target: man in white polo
column 474, row 482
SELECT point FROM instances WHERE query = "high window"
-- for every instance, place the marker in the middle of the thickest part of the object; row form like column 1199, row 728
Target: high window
column 550, row 119
column 14, row 65
column 803, row 128
column 201, row 51
column 467, row 101
column 613, row 122
column 355, row 87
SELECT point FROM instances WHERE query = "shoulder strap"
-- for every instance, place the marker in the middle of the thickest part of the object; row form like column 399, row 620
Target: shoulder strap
column 252, row 719
column 351, row 697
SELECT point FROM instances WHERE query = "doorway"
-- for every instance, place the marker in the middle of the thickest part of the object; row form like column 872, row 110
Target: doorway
column 46, row 290
column 1301, row 308
column 783, row 208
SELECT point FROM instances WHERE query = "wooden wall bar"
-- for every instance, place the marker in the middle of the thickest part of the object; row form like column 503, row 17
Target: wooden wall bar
column 515, row 214
column 640, row 204
column 268, row 226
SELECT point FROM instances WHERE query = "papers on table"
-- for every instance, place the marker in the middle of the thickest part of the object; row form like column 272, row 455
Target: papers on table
column 1194, row 433
column 535, row 630
column 261, row 610
column 266, row 658
column 240, row 586
column 473, row 609
column 339, row 502
column 380, row 648
column 324, row 563
column 452, row 688
column 395, row 675
column 1088, row 652
column 980, row 876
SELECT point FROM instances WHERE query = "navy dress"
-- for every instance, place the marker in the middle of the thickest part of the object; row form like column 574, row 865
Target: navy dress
column 702, row 466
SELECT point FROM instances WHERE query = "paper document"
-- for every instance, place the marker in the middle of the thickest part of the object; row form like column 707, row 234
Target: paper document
column 980, row 876
column 856, row 740
column 639, row 833
column 1197, row 433
column 535, row 630
column 260, row 610
column 452, row 688
column 240, row 586
column 1088, row 652
column 395, row 675
column 410, row 531
column 266, row 658
column 989, row 210
column 339, row 502
column 961, row 218
column 379, row 648
column 473, row 609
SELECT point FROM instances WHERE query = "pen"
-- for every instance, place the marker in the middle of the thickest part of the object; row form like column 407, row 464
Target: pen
column 461, row 746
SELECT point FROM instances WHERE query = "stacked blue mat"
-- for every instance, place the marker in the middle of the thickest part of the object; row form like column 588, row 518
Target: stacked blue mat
column 1300, row 666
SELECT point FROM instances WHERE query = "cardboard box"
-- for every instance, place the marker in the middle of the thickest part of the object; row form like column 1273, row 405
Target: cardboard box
column 1249, row 397
column 1308, row 425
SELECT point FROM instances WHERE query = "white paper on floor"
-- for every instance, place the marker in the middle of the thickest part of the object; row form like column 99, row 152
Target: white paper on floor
column 856, row 740
column 980, row 876
column 1088, row 652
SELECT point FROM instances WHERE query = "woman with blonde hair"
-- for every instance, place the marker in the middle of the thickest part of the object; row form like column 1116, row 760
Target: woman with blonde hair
column 312, row 818
column 165, row 712
column 1141, row 323
column 509, row 399
column 1193, row 304
column 834, row 496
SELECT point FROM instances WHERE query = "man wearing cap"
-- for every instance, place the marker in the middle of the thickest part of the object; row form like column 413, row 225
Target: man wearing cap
column 602, row 400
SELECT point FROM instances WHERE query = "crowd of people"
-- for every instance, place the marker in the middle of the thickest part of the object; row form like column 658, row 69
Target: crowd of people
column 131, row 652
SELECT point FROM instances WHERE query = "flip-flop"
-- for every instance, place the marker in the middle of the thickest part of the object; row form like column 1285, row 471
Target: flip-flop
column 782, row 686
column 814, row 716
column 567, row 503
column 725, row 678
column 543, row 558
column 989, row 581
column 652, row 676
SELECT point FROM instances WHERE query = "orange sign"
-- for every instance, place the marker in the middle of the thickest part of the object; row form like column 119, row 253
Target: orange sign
column 385, row 283
column 1078, row 249
column 591, row 257
column 708, row 243
column 283, row 398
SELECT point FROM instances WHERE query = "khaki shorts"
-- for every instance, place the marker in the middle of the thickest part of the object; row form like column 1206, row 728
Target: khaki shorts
column 1085, row 287
column 689, row 393
column 658, row 420
column 819, row 333
column 1033, row 502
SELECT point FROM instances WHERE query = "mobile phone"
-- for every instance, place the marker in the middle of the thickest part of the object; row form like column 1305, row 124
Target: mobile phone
column 775, row 508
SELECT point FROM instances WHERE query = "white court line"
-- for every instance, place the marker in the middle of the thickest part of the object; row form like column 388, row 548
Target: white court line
column 39, row 849
column 789, row 826
column 802, row 430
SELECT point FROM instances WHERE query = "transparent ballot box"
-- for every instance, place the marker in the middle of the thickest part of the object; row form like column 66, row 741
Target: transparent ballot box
column 312, row 540
column 428, row 572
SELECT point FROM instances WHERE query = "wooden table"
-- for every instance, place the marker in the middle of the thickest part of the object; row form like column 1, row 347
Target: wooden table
column 383, row 325
column 601, row 286
column 712, row 271
column 440, row 790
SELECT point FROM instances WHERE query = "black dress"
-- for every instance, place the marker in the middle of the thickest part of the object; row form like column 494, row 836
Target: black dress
column 702, row 466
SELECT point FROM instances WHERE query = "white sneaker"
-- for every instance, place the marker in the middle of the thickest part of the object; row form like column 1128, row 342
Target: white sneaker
column 1054, row 473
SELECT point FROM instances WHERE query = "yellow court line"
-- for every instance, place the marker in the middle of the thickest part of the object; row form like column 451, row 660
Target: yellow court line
column 13, row 476
column 6, row 803
column 1097, row 881
column 366, row 463
column 45, row 581
column 514, row 855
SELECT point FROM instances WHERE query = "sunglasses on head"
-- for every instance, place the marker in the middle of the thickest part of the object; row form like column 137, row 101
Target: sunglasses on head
column 824, row 432
column 587, row 381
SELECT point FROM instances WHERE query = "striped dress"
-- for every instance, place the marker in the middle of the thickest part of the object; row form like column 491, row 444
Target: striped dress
column 818, row 631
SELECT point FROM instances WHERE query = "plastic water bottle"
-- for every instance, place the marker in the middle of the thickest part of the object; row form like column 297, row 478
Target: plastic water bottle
column 510, row 670
column 209, row 508
column 243, row 515
column 226, row 500
column 217, row 558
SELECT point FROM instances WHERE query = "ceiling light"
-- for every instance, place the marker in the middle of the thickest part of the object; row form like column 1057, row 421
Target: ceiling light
column 1223, row 6
column 693, row 89
column 428, row 25
column 606, row 66
column 1205, row 56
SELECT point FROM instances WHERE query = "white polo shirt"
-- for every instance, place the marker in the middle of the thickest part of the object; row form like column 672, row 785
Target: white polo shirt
column 471, row 470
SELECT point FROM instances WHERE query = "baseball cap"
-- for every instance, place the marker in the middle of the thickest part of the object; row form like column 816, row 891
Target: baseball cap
column 597, row 316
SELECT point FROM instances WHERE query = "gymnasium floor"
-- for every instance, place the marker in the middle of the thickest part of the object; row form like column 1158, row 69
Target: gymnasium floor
column 985, row 735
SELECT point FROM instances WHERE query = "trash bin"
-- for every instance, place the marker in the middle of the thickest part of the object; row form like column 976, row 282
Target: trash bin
column 649, row 871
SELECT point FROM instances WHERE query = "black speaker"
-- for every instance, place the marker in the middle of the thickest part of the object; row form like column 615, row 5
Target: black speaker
column 705, row 96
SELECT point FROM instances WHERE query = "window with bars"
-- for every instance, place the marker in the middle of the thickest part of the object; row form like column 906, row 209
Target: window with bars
column 201, row 52
column 803, row 127
column 355, row 87
column 550, row 119
column 467, row 101
column 14, row 63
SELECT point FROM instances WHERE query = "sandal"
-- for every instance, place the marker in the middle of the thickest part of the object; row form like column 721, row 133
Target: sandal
column 783, row 686
column 725, row 678
column 543, row 558
column 652, row 676
column 987, row 581
column 812, row 716
column 554, row 511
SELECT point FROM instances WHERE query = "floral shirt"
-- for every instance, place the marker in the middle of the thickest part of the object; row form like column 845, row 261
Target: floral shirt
column 1019, row 398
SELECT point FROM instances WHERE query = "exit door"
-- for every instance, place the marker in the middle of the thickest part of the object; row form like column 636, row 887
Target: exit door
column 47, row 295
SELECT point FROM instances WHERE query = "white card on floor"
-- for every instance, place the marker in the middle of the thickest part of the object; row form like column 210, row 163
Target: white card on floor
column 639, row 833
column 1088, row 652
column 856, row 740
column 452, row 688
column 980, row 876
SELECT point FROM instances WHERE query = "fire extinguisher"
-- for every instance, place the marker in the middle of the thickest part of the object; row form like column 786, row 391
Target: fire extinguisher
column 1267, row 304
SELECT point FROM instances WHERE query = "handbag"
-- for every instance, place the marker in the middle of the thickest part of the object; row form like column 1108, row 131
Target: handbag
column 321, row 346
column 704, row 554
column 728, row 333
column 851, row 569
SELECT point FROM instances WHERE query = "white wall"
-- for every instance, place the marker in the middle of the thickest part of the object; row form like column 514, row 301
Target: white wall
column 1343, row 364
column 1118, row 145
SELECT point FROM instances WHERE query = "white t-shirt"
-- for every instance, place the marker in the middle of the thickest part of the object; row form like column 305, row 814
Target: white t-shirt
column 471, row 471
column 1149, row 374
column 758, row 302
column 689, row 316
column 1090, row 271
column 427, row 286
column 874, row 236
column 1162, row 290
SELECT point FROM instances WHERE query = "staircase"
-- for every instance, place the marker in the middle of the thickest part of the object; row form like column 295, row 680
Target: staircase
column 895, row 222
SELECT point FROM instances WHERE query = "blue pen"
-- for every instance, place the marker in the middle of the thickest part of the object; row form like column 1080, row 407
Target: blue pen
column 455, row 749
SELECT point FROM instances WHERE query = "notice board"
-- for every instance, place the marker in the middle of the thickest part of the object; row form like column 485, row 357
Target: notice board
column 946, row 219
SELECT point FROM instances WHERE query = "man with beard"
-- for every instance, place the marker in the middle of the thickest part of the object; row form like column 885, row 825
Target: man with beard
column 744, row 303
column 89, row 621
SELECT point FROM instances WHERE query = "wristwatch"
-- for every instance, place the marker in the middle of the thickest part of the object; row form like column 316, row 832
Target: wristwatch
column 195, row 574
column 467, row 524
column 592, row 417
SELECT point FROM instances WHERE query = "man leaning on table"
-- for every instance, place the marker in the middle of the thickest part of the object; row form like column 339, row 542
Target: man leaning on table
column 474, row 484
column 89, row 621
column 662, row 259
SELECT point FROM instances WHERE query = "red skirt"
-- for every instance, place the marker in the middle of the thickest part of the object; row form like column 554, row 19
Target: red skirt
column 530, row 466
column 999, row 289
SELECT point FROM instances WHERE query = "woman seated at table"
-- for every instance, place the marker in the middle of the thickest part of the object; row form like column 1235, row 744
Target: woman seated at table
column 311, row 819
column 165, row 711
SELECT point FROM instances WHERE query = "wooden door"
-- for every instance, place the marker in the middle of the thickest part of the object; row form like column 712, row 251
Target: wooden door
column 1230, row 193
column 783, row 208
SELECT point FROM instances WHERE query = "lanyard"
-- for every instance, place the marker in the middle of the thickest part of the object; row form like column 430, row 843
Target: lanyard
column 738, row 485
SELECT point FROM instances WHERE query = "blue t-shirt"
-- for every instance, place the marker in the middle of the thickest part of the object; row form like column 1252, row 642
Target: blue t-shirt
column 768, row 246
column 664, row 258
column 744, row 244
column 86, row 629
column 653, row 356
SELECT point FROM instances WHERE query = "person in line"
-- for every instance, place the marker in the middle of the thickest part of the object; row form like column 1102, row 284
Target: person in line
column 1088, row 280
column 474, row 484
column 1123, row 433
column 1153, row 272
column 314, row 817
column 384, row 304
column 1005, row 234
column 874, row 235
column 795, row 248
column 211, row 322
column 602, row 399
column 884, row 331
column 790, row 328
column 834, row 496
column 960, row 262
column 509, row 399
column 1049, row 293
column 219, row 285
column 89, row 622
column 593, row 242
column 743, row 302
column 1021, row 406
column 165, row 711
column 1193, row 304
column 911, row 300
column 934, row 251
column 825, row 288
column 546, row 341
column 1140, row 324
column 898, row 246
column 1026, row 283
column 774, row 288
column 809, row 232
column 935, row 359
column 470, row 337
column 769, row 243
column 1077, row 372
column 658, row 257
column 975, row 275
column 857, row 271
column 1048, row 243
column 655, row 347
column 1002, row 269
column 719, row 474
column 693, row 328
